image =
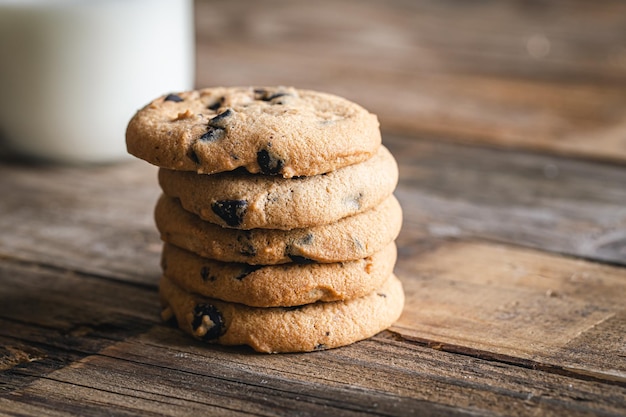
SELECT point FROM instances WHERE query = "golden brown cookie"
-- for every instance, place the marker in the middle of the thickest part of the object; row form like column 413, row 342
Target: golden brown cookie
column 277, row 285
column 274, row 130
column 277, row 329
column 250, row 201
column 348, row 239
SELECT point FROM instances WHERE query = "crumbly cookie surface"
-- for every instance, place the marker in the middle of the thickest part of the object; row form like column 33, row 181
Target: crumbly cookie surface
column 273, row 130
column 247, row 201
column 350, row 238
column 305, row 328
column 277, row 285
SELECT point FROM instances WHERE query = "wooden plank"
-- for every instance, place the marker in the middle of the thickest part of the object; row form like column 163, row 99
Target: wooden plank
column 162, row 371
column 36, row 295
column 96, row 346
column 94, row 219
column 564, row 206
column 546, row 77
column 522, row 306
column 51, row 318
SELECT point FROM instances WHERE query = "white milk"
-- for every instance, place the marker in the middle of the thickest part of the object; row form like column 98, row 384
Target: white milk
column 73, row 72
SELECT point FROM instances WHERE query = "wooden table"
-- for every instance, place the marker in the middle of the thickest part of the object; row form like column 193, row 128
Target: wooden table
column 508, row 121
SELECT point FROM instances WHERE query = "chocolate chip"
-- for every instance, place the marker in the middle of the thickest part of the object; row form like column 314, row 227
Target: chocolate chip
column 283, row 100
column 300, row 259
column 173, row 97
column 248, row 248
column 247, row 270
column 307, row 240
column 219, row 120
column 212, row 134
column 215, row 106
column 380, row 294
column 231, row 211
column 320, row 346
column 264, row 95
column 193, row 156
column 210, row 311
column 273, row 96
column 259, row 92
column 216, row 125
column 269, row 163
column 205, row 273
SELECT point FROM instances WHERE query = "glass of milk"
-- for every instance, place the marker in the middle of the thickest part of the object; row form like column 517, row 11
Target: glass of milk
column 73, row 72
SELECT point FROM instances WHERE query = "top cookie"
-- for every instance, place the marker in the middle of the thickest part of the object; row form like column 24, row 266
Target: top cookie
column 274, row 130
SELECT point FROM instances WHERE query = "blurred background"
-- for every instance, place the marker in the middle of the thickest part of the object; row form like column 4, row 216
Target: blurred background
column 535, row 75
column 546, row 76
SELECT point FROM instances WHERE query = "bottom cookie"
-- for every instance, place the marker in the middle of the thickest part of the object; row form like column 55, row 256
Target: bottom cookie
column 276, row 329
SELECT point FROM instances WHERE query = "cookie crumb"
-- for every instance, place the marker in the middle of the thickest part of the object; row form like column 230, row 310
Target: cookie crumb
column 187, row 114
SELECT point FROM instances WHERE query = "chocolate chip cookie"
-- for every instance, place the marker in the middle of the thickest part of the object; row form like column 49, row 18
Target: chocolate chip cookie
column 274, row 130
column 277, row 285
column 304, row 328
column 249, row 201
column 348, row 239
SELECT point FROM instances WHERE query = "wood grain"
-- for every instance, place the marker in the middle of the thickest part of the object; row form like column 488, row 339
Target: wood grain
column 96, row 220
column 96, row 344
column 550, row 203
column 530, row 307
column 400, row 380
column 546, row 76
column 489, row 301
column 507, row 121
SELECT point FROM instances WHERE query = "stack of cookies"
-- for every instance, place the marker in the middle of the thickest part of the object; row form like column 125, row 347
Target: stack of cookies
column 277, row 216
